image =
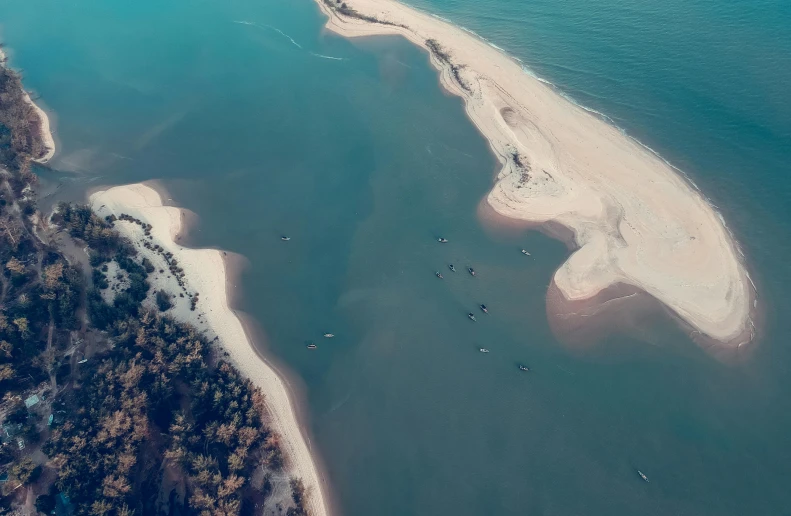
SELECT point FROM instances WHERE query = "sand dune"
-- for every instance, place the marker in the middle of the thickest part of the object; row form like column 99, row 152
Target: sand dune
column 631, row 217
column 205, row 273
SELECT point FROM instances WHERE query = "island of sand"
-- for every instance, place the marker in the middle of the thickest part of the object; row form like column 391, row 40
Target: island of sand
column 205, row 274
column 633, row 220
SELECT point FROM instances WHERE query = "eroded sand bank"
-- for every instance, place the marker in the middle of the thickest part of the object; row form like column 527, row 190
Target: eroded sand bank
column 634, row 220
column 205, row 273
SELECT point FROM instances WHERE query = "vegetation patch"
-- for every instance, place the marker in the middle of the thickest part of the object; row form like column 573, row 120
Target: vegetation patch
column 442, row 55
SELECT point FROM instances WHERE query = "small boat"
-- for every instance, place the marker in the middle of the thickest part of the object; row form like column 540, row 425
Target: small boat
column 285, row 238
column 483, row 350
column 642, row 475
column 312, row 346
column 524, row 252
column 524, row 368
column 472, row 271
column 442, row 240
column 438, row 274
column 451, row 267
column 329, row 335
column 485, row 310
column 471, row 316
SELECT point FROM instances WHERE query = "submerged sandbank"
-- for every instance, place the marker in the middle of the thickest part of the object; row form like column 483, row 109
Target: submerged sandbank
column 634, row 220
column 205, row 274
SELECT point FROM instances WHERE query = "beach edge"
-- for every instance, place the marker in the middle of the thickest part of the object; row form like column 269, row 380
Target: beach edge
column 205, row 272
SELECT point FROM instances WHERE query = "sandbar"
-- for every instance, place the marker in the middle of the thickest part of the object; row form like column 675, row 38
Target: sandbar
column 205, row 274
column 632, row 219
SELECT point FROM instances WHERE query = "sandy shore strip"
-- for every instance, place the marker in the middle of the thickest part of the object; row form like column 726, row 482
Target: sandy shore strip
column 44, row 125
column 46, row 132
column 205, row 274
column 635, row 220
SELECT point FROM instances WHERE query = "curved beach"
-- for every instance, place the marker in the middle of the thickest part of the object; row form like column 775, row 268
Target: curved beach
column 633, row 219
column 46, row 132
column 43, row 124
column 205, row 273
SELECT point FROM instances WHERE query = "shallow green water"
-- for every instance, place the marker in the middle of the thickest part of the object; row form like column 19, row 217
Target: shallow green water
column 363, row 161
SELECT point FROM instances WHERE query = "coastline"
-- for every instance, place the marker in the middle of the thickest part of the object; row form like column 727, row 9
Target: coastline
column 45, row 127
column 633, row 218
column 206, row 274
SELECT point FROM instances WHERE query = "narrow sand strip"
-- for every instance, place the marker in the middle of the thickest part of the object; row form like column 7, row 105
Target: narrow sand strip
column 205, row 274
column 634, row 219
column 46, row 132
column 44, row 126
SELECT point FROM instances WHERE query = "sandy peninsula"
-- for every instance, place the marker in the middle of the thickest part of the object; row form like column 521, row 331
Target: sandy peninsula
column 43, row 124
column 633, row 220
column 205, row 273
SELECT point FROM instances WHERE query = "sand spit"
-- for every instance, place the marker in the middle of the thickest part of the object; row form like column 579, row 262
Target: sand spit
column 44, row 125
column 205, row 274
column 634, row 219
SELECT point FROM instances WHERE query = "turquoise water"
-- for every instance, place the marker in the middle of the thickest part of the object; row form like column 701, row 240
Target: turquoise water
column 363, row 161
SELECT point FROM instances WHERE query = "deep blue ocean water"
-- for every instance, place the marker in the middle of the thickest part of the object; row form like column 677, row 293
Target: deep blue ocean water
column 364, row 161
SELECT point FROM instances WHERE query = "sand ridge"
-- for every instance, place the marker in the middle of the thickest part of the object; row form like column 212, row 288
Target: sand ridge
column 205, row 274
column 634, row 219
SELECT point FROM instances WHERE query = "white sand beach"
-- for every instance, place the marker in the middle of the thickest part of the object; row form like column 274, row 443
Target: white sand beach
column 46, row 132
column 634, row 219
column 205, row 273
column 44, row 125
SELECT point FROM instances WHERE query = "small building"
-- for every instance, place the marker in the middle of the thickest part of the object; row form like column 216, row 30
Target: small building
column 32, row 401
column 8, row 431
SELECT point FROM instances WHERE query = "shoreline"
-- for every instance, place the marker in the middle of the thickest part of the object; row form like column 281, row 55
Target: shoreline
column 634, row 219
column 206, row 273
column 45, row 128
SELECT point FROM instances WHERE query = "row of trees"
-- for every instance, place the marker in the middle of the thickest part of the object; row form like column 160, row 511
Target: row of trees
column 20, row 134
column 155, row 398
column 159, row 398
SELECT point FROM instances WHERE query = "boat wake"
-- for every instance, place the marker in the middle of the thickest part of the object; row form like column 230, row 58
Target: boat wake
column 328, row 57
column 265, row 26
column 294, row 42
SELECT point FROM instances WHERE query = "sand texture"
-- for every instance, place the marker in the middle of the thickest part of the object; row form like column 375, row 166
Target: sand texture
column 205, row 274
column 632, row 218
